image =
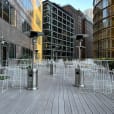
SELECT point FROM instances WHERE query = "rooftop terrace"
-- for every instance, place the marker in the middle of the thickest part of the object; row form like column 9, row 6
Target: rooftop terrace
column 56, row 95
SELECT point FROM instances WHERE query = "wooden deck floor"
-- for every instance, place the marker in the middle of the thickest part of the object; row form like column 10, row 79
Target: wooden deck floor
column 54, row 96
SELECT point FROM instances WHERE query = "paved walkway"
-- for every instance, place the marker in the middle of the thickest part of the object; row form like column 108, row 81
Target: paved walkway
column 54, row 96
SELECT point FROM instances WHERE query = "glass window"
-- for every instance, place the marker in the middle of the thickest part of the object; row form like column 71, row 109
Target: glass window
column 96, row 1
column 54, row 10
column 46, row 26
column 112, row 43
column 26, row 5
column 16, row 18
column 1, row 8
column 112, row 21
column 20, row 20
column 112, row 32
column 46, row 19
column 26, row 53
column 108, row 32
column 106, row 22
column 106, row 12
column 12, row 16
column 112, row 53
column 105, row 3
column 112, row 10
column 6, row 10
column 12, row 51
column 99, row 6
column 25, row 25
column 112, row 2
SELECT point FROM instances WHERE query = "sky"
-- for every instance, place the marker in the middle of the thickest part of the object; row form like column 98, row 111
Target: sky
column 78, row 4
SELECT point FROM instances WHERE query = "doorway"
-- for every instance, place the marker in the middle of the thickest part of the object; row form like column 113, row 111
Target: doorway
column 4, row 55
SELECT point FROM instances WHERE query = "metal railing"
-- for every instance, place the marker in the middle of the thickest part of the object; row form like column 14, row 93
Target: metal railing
column 95, row 75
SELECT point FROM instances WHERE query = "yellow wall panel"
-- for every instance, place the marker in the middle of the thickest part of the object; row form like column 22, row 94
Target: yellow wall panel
column 37, row 24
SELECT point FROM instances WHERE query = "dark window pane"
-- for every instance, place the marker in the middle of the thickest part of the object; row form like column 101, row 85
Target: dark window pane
column 6, row 10
column 12, row 51
column 1, row 8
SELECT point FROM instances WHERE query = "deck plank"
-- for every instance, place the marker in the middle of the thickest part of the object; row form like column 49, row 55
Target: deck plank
column 85, row 105
column 98, row 105
column 67, row 105
column 108, row 107
column 104, row 107
column 90, row 105
column 48, row 108
column 75, row 93
column 55, row 109
column 61, row 98
column 106, row 101
column 72, row 101
column 56, row 95
column 41, row 101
